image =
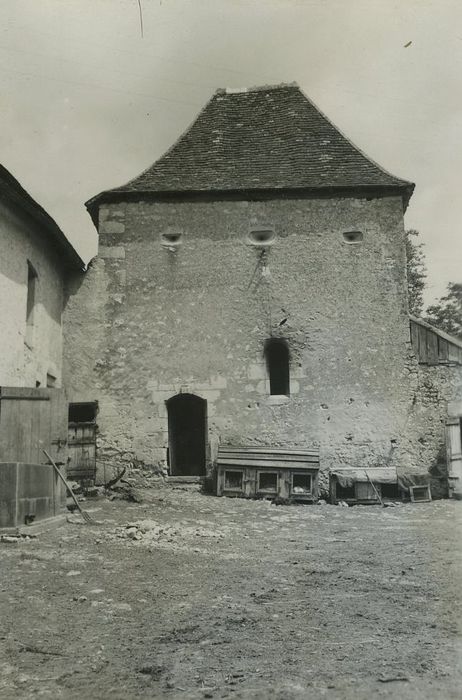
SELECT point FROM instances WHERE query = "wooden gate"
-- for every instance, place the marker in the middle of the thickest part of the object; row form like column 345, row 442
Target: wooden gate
column 82, row 441
column 454, row 449
column 32, row 420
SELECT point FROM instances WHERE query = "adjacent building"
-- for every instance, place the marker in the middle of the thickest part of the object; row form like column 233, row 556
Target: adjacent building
column 35, row 262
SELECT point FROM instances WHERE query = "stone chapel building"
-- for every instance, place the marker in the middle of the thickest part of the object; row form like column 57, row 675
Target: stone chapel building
column 250, row 289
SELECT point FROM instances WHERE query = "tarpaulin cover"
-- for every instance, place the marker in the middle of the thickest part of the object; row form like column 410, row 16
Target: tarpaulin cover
column 379, row 475
column 406, row 480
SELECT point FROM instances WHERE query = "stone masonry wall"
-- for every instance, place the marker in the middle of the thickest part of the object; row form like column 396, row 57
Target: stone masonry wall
column 436, row 395
column 147, row 322
column 21, row 363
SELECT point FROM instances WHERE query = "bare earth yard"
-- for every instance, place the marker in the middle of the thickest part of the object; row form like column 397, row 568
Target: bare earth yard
column 223, row 598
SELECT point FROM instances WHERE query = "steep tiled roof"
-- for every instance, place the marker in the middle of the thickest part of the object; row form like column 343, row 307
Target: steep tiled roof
column 13, row 193
column 267, row 138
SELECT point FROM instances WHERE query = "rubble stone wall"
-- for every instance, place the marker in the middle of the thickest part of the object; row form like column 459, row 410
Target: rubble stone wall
column 436, row 396
column 149, row 321
column 21, row 363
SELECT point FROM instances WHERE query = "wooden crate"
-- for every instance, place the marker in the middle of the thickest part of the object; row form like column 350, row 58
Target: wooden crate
column 420, row 493
column 273, row 473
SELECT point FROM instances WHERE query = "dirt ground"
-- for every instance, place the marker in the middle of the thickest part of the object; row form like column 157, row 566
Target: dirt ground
column 225, row 598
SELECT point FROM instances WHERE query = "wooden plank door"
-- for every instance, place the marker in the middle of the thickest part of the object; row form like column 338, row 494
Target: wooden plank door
column 32, row 420
column 82, row 451
column 25, row 422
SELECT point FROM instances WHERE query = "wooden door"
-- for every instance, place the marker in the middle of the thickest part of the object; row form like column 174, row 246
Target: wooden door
column 82, row 451
column 187, row 429
column 32, row 420
column 454, row 451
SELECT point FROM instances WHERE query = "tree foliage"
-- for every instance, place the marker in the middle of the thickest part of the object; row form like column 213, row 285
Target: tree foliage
column 446, row 314
column 416, row 272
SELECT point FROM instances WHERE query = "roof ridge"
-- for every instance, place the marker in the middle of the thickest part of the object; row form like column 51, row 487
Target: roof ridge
column 256, row 88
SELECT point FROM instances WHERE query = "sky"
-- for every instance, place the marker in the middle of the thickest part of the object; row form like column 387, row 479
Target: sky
column 94, row 91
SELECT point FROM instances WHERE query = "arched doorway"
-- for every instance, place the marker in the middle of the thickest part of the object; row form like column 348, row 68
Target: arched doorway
column 187, row 429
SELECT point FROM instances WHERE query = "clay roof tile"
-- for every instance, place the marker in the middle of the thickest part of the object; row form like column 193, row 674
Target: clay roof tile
column 266, row 138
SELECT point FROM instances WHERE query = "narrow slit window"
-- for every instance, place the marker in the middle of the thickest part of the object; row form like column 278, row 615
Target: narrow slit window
column 32, row 278
column 277, row 362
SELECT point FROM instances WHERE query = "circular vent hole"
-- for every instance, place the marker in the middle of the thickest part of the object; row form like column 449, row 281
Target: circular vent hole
column 262, row 236
column 353, row 236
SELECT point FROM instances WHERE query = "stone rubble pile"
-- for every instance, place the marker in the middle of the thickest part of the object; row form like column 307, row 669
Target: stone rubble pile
column 16, row 538
column 149, row 531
